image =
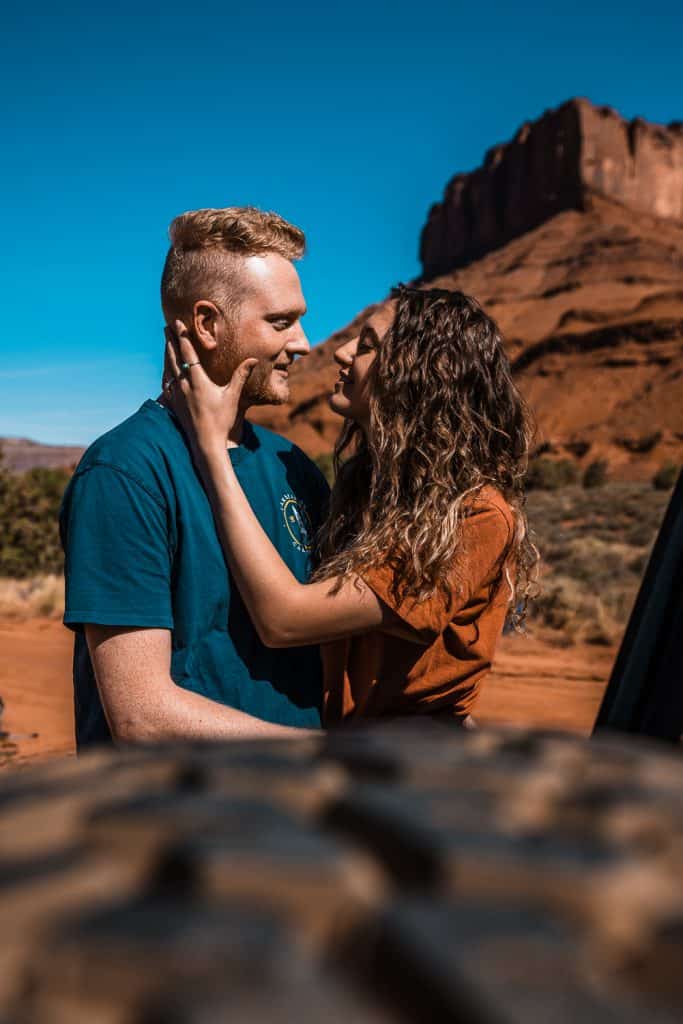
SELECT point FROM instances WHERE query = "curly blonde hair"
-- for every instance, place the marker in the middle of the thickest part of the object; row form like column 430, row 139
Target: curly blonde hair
column 446, row 420
column 203, row 260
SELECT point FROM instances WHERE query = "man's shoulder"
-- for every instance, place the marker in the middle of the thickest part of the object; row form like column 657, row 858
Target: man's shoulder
column 268, row 439
column 276, row 443
column 294, row 458
column 138, row 447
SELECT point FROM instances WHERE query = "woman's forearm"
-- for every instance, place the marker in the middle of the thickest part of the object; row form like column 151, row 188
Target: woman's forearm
column 269, row 590
column 285, row 612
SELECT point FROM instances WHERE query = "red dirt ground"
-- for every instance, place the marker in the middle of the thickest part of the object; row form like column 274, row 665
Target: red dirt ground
column 533, row 683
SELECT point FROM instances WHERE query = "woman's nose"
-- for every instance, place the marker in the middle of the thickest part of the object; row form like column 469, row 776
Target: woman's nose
column 345, row 353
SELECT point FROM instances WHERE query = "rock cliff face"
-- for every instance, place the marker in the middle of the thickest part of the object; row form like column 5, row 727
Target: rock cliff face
column 572, row 236
column 556, row 163
column 591, row 306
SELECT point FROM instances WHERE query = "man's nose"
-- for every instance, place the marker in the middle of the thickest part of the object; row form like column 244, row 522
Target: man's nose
column 298, row 344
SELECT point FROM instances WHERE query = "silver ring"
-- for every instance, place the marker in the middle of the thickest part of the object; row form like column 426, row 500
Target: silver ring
column 186, row 366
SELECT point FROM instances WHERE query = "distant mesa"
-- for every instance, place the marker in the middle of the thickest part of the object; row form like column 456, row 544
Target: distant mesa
column 20, row 454
column 556, row 163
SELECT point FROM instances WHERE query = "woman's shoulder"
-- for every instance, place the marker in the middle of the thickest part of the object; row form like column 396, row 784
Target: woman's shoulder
column 490, row 500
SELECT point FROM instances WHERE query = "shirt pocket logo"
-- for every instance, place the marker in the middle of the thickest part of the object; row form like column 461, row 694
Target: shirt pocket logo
column 297, row 522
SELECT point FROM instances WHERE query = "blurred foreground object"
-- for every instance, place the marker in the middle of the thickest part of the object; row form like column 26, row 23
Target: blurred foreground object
column 645, row 691
column 407, row 873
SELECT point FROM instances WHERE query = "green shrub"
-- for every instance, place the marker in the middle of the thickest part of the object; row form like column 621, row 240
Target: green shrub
column 595, row 474
column 547, row 474
column 665, row 477
column 29, row 532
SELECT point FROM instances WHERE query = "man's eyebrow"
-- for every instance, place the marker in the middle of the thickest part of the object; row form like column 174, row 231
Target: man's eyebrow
column 288, row 314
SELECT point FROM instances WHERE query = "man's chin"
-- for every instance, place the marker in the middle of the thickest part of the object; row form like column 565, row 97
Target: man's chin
column 270, row 395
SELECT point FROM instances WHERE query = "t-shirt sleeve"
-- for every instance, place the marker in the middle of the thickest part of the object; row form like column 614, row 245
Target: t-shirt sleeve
column 484, row 540
column 117, row 553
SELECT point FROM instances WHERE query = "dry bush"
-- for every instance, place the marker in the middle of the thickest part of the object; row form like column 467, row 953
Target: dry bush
column 548, row 474
column 666, row 476
column 37, row 597
column 574, row 613
column 594, row 547
column 595, row 474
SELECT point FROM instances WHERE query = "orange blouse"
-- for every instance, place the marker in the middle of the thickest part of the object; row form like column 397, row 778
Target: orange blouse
column 440, row 671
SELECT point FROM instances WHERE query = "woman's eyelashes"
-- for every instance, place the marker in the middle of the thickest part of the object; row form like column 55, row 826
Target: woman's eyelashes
column 369, row 340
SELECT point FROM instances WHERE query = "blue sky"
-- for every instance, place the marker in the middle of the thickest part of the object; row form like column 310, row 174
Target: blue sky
column 348, row 119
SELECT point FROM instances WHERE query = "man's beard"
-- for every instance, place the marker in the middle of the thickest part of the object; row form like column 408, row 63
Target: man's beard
column 259, row 388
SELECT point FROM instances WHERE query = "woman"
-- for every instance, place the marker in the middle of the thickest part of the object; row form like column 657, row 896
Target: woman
column 425, row 548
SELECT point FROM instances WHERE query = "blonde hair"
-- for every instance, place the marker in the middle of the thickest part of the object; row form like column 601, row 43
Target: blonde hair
column 206, row 245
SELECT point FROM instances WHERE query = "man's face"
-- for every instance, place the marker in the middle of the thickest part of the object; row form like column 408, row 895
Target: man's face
column 268, row 327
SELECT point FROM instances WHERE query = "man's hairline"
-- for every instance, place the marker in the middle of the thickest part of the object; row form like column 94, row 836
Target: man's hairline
column 243, row 290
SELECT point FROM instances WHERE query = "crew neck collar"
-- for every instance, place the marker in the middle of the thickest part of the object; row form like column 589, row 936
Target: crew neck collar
column 247, row 446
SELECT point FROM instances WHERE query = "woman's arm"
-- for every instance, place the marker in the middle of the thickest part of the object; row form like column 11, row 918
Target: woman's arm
column 286, row 613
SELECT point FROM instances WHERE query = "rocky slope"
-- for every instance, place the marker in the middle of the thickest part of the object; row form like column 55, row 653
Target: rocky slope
column 589, row 298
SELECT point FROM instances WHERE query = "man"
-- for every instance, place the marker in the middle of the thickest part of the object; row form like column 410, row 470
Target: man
column 164, row 648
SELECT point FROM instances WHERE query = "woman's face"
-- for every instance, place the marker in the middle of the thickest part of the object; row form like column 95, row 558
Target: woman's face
column 351, row 395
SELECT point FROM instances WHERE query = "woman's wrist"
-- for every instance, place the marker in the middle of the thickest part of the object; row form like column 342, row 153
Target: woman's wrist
column 211, row 448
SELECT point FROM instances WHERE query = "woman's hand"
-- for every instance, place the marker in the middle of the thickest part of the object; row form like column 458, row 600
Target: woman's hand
column 208, row 412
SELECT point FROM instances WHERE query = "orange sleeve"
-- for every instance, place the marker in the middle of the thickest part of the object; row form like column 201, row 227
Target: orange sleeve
column 486, row 533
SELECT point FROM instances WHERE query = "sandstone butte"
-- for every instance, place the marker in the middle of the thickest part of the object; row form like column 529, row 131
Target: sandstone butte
column 571, row 236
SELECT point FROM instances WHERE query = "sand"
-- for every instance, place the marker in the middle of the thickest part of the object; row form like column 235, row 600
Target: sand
column 533, row 683
column 35, row 684
column 536, row 683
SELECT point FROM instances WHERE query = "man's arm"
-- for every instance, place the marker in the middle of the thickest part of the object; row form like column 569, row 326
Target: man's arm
column 142, row 704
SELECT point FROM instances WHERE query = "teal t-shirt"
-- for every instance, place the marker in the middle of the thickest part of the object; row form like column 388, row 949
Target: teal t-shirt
column 141, row 549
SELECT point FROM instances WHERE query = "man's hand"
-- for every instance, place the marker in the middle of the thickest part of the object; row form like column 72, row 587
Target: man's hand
column 142, row 703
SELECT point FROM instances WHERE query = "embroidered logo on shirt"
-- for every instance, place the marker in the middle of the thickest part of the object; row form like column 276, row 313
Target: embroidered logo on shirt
column 297, row 521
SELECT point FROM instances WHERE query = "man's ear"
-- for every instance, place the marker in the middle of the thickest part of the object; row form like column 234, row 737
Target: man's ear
column 206, row 318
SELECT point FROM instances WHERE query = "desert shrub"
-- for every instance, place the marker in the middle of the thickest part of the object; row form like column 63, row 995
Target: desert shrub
column 592, row 560
column 638, row 565
column 594, row 546
column 595, row 474
column 547, row 474
column 29, row 533
column 665, row 477
column 578, row 448
column 38, row 596
column 566, row 607
column 558, row 603
column 643, row 444
column 325, row 464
